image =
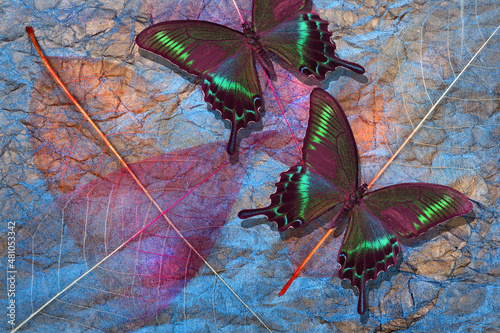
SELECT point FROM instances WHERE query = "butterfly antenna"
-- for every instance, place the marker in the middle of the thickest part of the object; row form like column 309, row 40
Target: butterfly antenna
column 431, row 109
column 239, row 13
column 321, row 241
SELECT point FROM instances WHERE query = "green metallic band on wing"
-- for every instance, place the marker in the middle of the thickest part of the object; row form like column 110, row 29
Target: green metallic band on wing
column 376, row 269
column 423, row 220
column 373, row 268
column 371, row 245
column 435, row 209
column 170, row 45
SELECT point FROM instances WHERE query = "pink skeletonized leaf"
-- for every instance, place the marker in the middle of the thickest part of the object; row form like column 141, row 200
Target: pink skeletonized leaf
column 157, row 264
column 143, row 277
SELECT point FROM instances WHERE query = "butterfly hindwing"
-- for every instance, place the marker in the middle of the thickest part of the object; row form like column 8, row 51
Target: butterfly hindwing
column 369, row 247
column 299, row 37
column 220, row 56
column 413, row 208
column 301, row 195
column 235, row 92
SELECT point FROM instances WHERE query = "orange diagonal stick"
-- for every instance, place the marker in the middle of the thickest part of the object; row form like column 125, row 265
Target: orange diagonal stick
column 285, row 288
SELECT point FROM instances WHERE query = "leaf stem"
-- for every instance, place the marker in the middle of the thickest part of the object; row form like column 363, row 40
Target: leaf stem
column 239, row 13
column 283, row 113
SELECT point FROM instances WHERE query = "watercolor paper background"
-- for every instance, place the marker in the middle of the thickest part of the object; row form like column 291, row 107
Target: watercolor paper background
column 73, row 204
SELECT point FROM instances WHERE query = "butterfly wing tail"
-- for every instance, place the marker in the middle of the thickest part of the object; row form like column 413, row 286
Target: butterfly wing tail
column 349, row 65
column 246, row 213
column 362, row 298
column 231, row 144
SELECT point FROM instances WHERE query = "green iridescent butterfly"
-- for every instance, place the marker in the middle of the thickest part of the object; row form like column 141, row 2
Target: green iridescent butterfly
column 225, row 58
column 328, row 176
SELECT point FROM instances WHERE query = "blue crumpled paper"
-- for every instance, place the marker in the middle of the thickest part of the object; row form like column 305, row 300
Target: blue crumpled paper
column 412, row 51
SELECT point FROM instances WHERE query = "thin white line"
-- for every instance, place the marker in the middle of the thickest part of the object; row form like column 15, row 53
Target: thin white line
column 431, row 109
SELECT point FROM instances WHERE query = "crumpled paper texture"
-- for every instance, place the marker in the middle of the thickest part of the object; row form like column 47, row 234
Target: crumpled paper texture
column 446, row 280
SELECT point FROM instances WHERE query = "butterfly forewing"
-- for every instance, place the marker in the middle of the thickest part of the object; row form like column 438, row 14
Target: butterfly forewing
column 220, row 56
column 194, row 46
column 413, row 208
column 267, row 14
column 329, row 145
column 369, row 247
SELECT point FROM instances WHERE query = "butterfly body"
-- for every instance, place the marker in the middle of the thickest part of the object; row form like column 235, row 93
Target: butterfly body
column 225, row 58
column 259, row 52
column 354, row 197
column 350, row 202
column 328, row 176
column 251, row 38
